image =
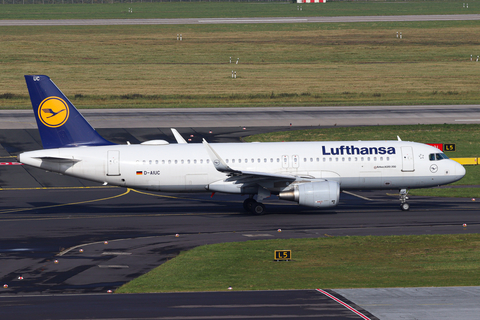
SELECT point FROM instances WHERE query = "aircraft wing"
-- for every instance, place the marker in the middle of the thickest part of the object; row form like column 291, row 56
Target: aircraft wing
column 178, row 136
column 222, row 166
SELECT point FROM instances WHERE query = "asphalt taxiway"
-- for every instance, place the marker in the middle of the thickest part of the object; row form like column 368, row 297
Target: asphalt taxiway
column 187, row 21
column 124, row 233
column 274, row 118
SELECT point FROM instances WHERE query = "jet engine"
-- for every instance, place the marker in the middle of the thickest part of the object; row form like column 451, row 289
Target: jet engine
column 319, row 194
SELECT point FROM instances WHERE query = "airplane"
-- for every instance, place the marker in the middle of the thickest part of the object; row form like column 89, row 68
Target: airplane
column 310, row 173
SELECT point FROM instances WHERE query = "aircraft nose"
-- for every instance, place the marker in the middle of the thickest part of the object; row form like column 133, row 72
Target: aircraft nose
column 459, row 170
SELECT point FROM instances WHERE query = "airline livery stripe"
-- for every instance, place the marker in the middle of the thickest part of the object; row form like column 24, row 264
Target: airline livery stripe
column 344, row 304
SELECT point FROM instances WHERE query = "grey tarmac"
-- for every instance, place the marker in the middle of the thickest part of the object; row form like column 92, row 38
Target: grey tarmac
column 185, row 21
column 59, row 214
column 286, row 117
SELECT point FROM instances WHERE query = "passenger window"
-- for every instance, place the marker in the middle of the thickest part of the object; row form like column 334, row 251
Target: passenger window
column 150, row 162
column 201, row 161
column 195, row 161
column 176, row 161
column 169, row 161
column 226, row 160
column 163, row 161
column 208, row 160
column 343, row 159
column 304, row 159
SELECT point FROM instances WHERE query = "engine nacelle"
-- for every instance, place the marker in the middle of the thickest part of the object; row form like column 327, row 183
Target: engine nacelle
column 321, row 194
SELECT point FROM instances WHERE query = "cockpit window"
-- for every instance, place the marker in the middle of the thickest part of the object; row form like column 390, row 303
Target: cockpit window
column 437, row 156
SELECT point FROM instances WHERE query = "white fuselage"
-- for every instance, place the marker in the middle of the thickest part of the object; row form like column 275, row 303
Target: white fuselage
column 188, row 168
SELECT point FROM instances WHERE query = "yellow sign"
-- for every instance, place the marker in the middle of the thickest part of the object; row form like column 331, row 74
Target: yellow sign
column 283, row 255
column 449, row 147
column 53, row 112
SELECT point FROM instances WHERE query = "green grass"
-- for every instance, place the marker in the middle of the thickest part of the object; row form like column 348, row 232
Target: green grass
column 280, row 64
column 465, row 136
column 334, row 262
column 204, row 9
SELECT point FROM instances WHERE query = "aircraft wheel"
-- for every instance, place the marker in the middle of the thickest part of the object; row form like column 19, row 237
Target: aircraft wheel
column 405, row 206
column 248, row 204
column 258, row 208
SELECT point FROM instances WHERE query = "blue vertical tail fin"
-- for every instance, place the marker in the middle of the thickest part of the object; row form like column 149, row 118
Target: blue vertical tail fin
column 59, row 122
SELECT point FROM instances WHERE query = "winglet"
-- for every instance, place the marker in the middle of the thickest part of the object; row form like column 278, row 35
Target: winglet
column 217, row 161
column 59, row 122
column 178, row 136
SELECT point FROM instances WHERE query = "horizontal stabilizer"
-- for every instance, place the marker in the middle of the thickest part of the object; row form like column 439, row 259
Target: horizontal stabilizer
column 58, row 159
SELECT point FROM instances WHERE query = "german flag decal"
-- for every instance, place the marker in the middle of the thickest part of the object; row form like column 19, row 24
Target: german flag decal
column 139, row 173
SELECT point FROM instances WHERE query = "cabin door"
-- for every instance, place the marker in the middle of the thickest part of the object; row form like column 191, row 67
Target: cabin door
column 113, row 163
column 407, row 159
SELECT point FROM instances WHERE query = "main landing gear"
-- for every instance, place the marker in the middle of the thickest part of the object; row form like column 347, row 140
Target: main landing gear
column 403, row 200
column 253, row 206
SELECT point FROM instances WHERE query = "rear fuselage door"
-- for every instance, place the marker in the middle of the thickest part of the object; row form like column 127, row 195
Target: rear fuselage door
column 113, row 163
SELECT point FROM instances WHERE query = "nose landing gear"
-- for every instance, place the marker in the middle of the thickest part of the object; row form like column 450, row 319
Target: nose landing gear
column 403, row 200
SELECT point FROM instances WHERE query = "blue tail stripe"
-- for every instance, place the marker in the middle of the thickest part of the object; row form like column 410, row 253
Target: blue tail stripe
column 59, row 122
